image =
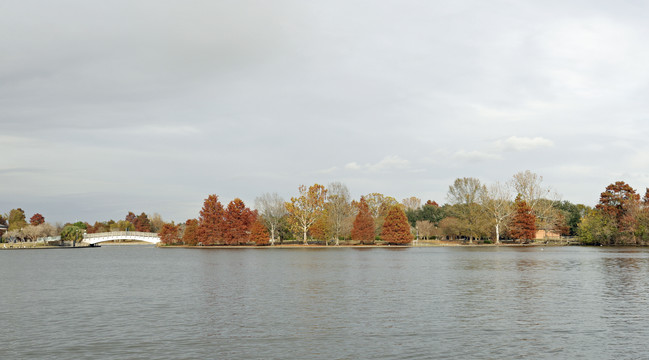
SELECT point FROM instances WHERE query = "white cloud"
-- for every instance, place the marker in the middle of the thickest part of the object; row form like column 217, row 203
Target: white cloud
column 516, row 143
column 387, row 163
column 352, row 166
column 475, row 156
column 328, row 170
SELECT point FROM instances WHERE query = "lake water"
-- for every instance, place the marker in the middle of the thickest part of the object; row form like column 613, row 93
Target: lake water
column 129, row 302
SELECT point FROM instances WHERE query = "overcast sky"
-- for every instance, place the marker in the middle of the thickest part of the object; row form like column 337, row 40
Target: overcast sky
column 115, row 106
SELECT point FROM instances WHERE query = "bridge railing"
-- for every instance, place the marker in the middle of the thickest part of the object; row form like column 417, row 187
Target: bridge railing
column 120, row 233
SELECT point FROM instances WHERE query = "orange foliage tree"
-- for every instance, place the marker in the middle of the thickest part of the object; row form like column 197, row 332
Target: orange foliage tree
column 142, row 223
column 617, row 200
column 210, row 222
column 169, row 234
column 523, row 224
column 237, row 221
column 363, row 228
column 305, row 209
column 37, row 219
column 396, row 229
column 258, row 233
column 190, row 234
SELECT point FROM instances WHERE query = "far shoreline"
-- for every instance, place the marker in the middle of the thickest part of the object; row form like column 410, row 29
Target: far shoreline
column 317, row 246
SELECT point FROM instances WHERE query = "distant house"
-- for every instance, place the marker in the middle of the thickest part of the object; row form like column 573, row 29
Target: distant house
column 551, row 234
column 3, row 229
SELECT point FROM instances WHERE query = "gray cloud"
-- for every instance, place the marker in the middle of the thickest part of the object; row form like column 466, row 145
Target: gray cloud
column 151, row 106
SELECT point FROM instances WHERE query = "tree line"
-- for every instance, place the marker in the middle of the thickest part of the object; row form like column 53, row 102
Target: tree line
column 515, row 210
column 518, row 210
column 19, row 229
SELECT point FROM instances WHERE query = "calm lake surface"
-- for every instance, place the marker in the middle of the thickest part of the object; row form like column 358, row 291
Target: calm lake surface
column 129, row 302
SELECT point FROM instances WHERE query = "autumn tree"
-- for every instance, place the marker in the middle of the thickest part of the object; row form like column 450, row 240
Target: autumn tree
column 523, row 224
column 396, row 229
column 450, row 227
column 237, row 221
column 305, row 209
column 573, row 213
column 16, row 219
column 425, row 228
column 142, row 223
column 258, row 233
column 210, row 222
column 156, row 222
column 37, row 219
column 272, row 209
column 620, row 218
column 379, row 205
column 130, row 217
column 33, row 232
column 99, row 227
column 539, row 198
column 617, row 199
column 496, row 202
column 363, row 227
column 411, row 203
column 169, row 234
column 465, row 194
column 122, row 225
column 339, row 209
column 190, row 234
column 320, row 229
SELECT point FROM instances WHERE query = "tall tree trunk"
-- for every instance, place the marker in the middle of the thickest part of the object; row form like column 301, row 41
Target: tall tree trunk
column 497, row 233
column 305, row 230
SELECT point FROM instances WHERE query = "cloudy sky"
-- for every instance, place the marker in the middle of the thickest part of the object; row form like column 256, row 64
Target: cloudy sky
column 115, row 106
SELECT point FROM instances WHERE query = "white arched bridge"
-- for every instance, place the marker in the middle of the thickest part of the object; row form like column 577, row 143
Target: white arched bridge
column 121, row 235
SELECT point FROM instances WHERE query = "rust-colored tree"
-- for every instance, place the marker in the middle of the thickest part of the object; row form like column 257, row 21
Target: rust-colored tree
column 130, row 217
column 431, row 203
column 617, row 200
column 190, row 235
column 258, row 233
column 37, row 219
column 319, row 230
column 523, row 224
column 237, row 221
column 210, row 222
column 305, row 209
column 169, row 234
column 363, row 227
column 142, row 223
column 396, row 229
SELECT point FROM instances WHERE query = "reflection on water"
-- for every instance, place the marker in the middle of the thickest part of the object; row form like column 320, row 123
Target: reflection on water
column 144, row 302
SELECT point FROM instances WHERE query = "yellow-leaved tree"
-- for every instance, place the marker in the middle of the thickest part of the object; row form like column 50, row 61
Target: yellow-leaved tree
column 305, row 209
